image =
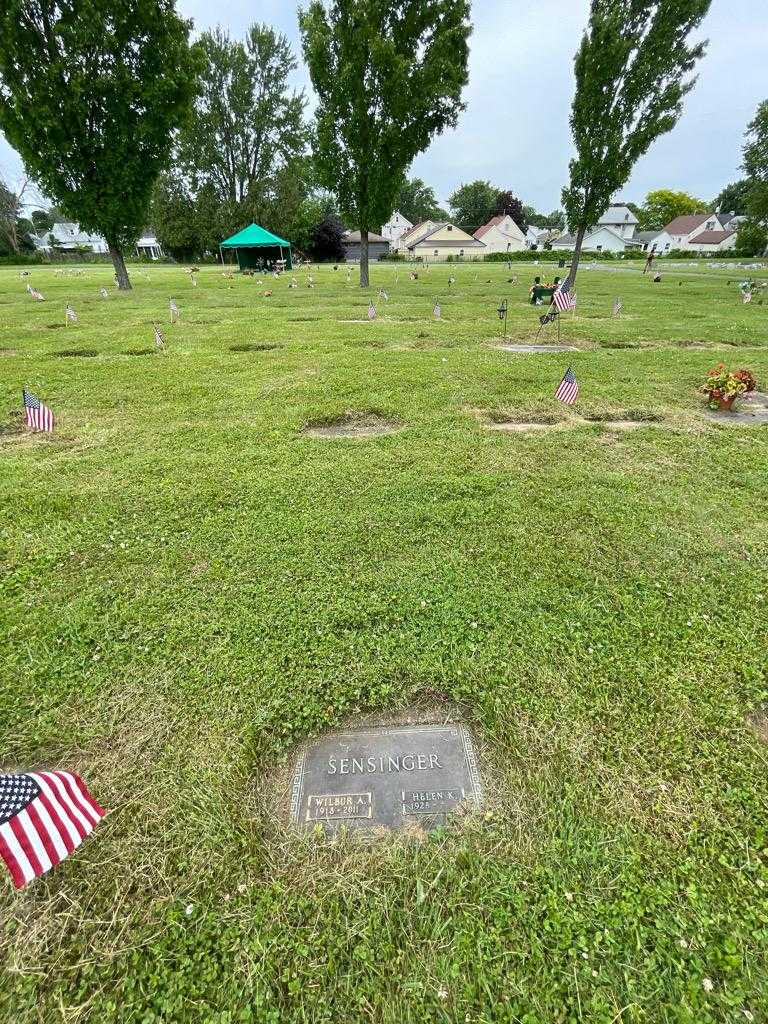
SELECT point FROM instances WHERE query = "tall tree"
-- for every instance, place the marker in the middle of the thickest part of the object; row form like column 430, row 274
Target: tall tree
column 90, row 93
column 389, row 77
column 756, row 165
column 733, row 198
column 633, row 69
column 11, row 203
column 473, row 204
column 663, row 204
column 246, row 123
column 327, row 239
column 417, row 202
column 508, row 203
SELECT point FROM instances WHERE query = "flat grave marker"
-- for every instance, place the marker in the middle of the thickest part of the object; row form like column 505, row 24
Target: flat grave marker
column 389, row 777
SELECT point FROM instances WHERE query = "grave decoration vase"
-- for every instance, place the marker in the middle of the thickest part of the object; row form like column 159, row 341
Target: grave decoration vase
column 725, row 402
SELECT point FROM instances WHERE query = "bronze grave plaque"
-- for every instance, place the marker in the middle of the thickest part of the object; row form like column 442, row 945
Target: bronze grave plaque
column 386, row 777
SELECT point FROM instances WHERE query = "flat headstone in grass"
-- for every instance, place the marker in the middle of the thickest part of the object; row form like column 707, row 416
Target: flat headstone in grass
column 352, row 425
column 389, row 778
column 747, row 412
column 537, row 348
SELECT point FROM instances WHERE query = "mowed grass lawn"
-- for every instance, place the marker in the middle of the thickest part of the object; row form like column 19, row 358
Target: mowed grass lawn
column 191, row 586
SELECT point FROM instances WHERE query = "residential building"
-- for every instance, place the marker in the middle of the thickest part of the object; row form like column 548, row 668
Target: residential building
column 395, row 228
column 441, row 241
column 501, row 234
column 682, row 230
column 148, row 245
column 414, row 234
column 713, row 241
column 599, row 239
column 378, row 246
column 620, row 220
column 66, row 236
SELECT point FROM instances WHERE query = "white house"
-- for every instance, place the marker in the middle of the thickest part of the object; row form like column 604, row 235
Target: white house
column 599, row 239
column 531, row 237
column 441, row 241
column 682, row 230
column 713, row 241
column 414, row 234
column 620, row 220
column 66, row 236
column 501, row 234
column 395, row 228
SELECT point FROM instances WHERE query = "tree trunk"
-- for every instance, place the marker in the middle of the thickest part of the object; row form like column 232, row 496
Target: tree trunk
column 576, row 255
column 364, row 282
column 123, row 281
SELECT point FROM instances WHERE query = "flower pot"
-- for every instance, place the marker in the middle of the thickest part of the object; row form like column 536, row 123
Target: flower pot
column 725, row 403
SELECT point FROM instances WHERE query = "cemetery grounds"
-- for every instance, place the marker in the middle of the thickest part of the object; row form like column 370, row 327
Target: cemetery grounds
column 192, row 585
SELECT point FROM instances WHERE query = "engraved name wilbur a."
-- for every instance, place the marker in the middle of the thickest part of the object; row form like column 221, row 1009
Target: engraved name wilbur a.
column 383, row 764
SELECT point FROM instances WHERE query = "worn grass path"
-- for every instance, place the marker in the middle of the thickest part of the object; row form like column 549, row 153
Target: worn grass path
column 191, row 586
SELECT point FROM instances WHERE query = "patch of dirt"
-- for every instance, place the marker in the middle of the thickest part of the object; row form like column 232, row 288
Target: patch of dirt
column 303, row 319
column 15, row 427
column 366, row 343
column 254, row 348
column 352, row 425
column 138, row 352
column 758, row 723
column 9, row 351
column 81, row 353
column 53, row 327
column 619, row 344
column 626, row 419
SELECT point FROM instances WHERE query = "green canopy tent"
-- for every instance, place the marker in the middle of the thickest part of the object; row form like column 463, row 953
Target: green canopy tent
column 253, row 246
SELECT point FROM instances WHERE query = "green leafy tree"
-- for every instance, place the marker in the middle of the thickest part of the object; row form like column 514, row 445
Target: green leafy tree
column 751, row 239
column 389, row 77
column 756, row 165
column 90, row 94
column 473, row 204
column 508, row 203
column 663, row 205
column 733, row 198
column 633, row 68
column 247, row 124
column 327, row 240
column 42, row 221
column 417, row 202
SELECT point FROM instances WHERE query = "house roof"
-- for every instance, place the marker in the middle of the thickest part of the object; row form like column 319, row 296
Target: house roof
column 252, row 236
column 618, row 215
column 569, row 240
column 645, row 236
column 685, row 225
column 353, row 237
column 712, row 237
column 494, row 222
column 462, row 238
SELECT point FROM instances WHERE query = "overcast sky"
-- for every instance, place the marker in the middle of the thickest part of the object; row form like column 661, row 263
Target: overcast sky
column 515, row 132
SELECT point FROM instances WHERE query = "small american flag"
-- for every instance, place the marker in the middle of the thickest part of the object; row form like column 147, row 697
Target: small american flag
column 39, row 416
column 617, row 307
column 563, row 298
column 36, row 295
column 71, row 315
column 174, row 310
column 383, row 295
column 29, row 288
column 747, row 296
column 104, row 293
column 568, row 388
column 44, row 816
column 437, row 311
column 159, row 339
column 371, row 311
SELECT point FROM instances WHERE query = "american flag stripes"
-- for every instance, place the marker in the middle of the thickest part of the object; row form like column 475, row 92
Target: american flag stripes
column 104, row 293
column 44, row 816
column 617, row 307
column 159, row 339
column 564, row 299
column 39, row 416
column 371, row 311
column 71, row 315
column 568, row 388
column 747, row 296
column 36, row 295
column 437, row 311
column 174, row 310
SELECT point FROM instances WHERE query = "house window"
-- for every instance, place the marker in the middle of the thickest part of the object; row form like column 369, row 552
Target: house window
column 450, row 227
column 461, row 252
column 436, row 253
column 599, row 248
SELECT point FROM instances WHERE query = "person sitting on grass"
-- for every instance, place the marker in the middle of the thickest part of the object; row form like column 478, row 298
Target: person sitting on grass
column 534, row 292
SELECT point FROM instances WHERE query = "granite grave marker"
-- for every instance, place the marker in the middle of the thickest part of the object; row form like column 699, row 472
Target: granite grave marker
column 388, row 777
